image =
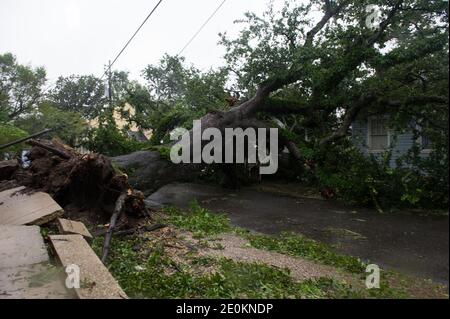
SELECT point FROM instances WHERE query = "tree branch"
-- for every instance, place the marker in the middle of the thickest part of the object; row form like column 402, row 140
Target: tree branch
column 293, row 74
column 366, row 101
column 351, row 60
column 120, row 202
column 329, row 13
column 349, row 117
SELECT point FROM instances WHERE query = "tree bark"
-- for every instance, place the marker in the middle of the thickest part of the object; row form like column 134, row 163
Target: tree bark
column 115, row 216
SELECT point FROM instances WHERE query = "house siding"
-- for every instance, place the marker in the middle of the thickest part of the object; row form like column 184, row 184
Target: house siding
column 400, row 142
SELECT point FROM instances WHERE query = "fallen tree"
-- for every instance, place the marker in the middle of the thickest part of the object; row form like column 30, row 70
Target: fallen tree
column 149, row 170
column 303, row 73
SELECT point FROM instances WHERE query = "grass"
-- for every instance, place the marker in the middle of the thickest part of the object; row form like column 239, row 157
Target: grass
column 200, row 221
column 155, row 275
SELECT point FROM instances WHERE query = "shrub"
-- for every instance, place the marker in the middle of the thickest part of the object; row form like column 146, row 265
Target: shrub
column 9, row 133
column 107, row 139
column 417, row 182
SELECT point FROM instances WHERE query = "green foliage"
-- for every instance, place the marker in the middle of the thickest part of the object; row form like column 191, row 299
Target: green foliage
column 175, row 95
column 10, row 133
column 334, row 71
column 417, row 182
column 251, row 280
column 166, row 123
column 107, row 139
column 82, row 94
column 425, row 179
column 297, row 245
column 3, row 115
column 267, row 44
column 68, row 126
column 200, row 221
column 20, row 87
column 87, row 94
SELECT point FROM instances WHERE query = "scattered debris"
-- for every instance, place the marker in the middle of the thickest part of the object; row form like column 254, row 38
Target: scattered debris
column 131, row 231
column 96, row 281
column 24, row 160
column 238, row 249
column 67, row 226
column 20, row 207
column 347, row 233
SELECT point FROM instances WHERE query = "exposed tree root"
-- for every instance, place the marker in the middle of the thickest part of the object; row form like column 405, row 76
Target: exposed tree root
column 89, row 181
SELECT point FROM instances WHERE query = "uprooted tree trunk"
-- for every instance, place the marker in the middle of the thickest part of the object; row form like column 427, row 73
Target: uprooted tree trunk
column 88, row 180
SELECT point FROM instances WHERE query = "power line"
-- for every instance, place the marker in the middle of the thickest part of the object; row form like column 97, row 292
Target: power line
column 201, row 28
column 132, row 37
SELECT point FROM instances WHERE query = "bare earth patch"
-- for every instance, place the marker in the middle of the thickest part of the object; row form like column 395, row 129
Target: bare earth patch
column 239, row 249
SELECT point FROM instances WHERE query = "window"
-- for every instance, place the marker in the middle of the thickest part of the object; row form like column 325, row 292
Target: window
column 378, row 134
column 424, row 140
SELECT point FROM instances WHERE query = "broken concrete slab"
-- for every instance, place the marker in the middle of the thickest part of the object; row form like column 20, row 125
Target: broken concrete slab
column 96, row 281
column 20, row 208
column 67, row 226
column 21, row 245
column 7, row 168
column 25, row 271
column 38, row 281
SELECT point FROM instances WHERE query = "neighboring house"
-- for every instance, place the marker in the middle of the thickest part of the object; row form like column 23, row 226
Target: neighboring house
column 371, row 135
column 121, row 123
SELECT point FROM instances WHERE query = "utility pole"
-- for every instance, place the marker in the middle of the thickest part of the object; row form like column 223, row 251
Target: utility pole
column 110, row 93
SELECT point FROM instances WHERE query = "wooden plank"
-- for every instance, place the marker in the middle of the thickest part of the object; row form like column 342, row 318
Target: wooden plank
column 20, row 208
column 67, row 226
column 96, row 281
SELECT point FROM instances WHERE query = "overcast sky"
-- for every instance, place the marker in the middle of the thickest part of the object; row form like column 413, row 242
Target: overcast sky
column 80, row 36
